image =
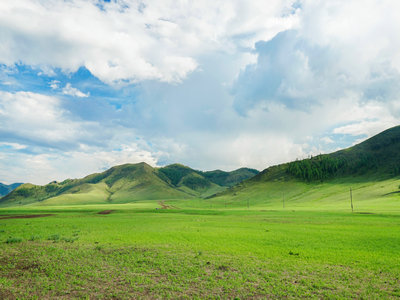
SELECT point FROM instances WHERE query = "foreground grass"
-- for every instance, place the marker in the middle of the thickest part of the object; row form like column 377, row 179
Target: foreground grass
column 149, row 253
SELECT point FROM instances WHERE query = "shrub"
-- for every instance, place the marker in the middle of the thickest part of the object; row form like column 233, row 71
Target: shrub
column 34, row 238
column 12, row 240
column 54, row 237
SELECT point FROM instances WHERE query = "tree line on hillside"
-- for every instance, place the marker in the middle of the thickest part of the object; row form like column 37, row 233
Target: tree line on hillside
column 322, row 167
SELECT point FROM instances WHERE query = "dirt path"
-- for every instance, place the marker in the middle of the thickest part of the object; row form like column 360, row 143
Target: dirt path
column 166, row 206
column 163, row 205
column 24, row 216
column 105, row 212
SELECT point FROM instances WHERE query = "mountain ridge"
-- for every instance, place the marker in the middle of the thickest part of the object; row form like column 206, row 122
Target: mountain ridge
column 7, row 188
column 126, row 183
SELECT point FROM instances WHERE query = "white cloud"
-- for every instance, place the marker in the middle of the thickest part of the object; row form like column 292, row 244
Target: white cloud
column 71, row 91
column 44, row 141
column 366, row 128
column 361, row 33
column 54, row 84
column 130, row 41
column 15, row 146
column 40, row 119
column 45, row 167
column 339, row 67
column 269, row 134
column 327, row 140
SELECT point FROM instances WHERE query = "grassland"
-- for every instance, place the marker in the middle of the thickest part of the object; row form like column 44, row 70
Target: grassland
column 200, row 249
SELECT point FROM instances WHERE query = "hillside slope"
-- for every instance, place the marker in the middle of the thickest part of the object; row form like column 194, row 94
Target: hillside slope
column 205, row 183
column 326, row 176
column 122, row 184
column 378, row 156
column 230, row 178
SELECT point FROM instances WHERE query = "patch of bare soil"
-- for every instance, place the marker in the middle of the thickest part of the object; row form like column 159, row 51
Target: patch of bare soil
column 25, row 216
column 163, row 205
column 166, row 206
column 105, row 212
column 6, row 294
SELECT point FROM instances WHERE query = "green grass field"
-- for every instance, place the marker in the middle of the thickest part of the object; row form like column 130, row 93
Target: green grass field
column 200, row 249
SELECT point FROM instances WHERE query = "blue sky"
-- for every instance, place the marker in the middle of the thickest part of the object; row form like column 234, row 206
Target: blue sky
column 85, row 85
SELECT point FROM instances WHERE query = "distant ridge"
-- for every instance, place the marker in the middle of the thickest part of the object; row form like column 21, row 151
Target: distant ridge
column 127, row 183
column 5, row 189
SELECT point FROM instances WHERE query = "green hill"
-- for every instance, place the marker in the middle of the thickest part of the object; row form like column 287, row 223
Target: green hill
column 124, row 184
column 230, row 178
column 370, row 168
column 379, row 156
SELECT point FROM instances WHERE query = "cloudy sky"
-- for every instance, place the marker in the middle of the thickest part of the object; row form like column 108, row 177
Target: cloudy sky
column 85, row 85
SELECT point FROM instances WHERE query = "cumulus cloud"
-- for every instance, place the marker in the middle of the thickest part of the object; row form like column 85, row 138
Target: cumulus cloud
column 71, row 91
column 41, row 120
column 41, row 168
column 14, row 146
column 345, row 52
column 327, row 140
column 269, row 134
column 46, row 142
column 54, row 84
column 130, row 41
column 363, row 34
column 297, row 72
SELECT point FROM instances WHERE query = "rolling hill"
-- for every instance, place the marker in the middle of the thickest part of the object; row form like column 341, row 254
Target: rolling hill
column 5, row 189
column 377, row 156
column 371, row 169
column 128, row 183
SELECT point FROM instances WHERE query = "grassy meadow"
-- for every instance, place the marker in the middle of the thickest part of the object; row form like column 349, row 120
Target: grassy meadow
column 209, row 248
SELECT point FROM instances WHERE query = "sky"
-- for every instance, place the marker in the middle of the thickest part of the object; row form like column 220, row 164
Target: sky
column 212, row 84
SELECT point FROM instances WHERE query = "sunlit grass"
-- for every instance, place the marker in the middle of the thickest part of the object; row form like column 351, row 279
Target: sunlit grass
column 279, row 239
column 140, row 251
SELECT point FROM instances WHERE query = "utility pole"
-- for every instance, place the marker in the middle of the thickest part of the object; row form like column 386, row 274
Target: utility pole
column 283, row 200
column 351, row 199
